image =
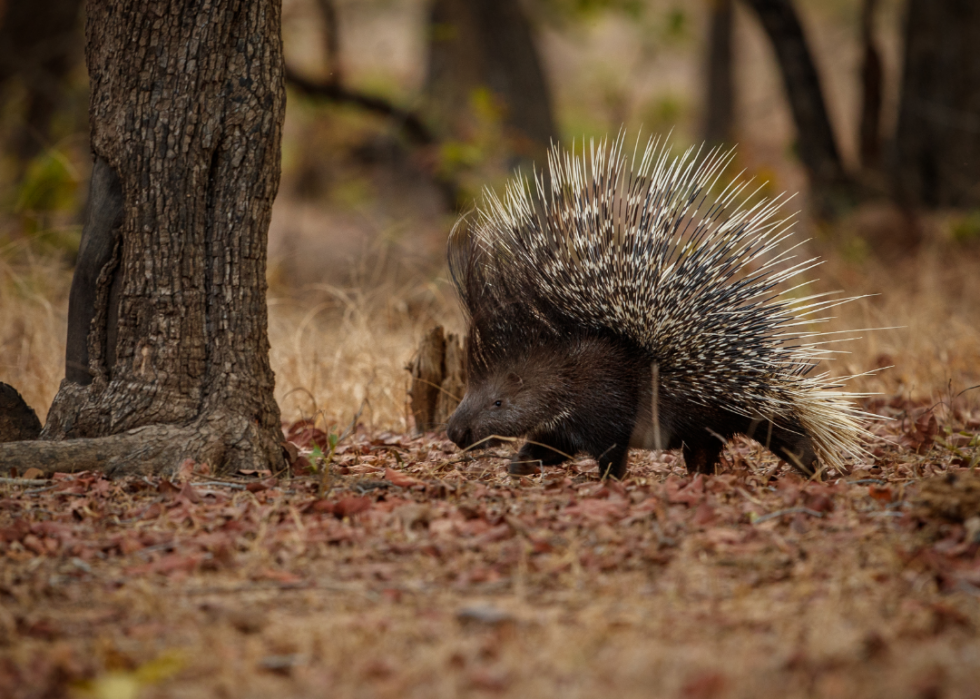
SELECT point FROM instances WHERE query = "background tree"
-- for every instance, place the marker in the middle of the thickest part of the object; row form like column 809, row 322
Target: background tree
column 719, row 84
column 872, row 89
column 167, row 354
column 334, row 90
column 488, row 44
column 937, row 140
column 814, row 135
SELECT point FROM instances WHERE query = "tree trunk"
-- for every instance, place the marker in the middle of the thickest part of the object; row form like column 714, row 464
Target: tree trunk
column 168, row 346
column 489, row 44
column 719, row 105
column 937, row 140
column 814, row 135
column 872, row 78
column 331, row 40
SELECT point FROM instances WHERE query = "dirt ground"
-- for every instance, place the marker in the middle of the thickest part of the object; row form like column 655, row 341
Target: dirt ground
column 401, row 569
column 405, row 570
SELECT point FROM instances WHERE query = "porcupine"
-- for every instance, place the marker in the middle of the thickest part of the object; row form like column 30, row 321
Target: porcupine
column 619, row 306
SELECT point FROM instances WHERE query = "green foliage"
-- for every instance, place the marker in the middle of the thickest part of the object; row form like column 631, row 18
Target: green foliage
column 129, row 684
column 471, row 159
column 855, row 249
column 964, row 445
column 50, row 184
column 966, row 228
column 676, row 25
column 585, row 9
column 352, row 192
column 45, row 204
column 663, row 113
column 443, row 32
column 457, row 155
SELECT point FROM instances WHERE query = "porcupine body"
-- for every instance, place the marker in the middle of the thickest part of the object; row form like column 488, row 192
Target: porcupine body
column 620, row 306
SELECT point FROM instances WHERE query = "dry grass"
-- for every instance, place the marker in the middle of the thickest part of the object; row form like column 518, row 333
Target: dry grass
column 334, row 350
column 337, row 351
column 33, row 325
column 927, row 308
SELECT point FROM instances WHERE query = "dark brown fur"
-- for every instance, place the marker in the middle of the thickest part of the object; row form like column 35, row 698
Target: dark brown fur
column 594, row 394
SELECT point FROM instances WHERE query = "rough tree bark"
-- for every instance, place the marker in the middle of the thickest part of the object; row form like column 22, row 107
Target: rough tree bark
column 937, row 140
column 720, row 84
column 489, row 43
column 814, row 134
column 167, row 353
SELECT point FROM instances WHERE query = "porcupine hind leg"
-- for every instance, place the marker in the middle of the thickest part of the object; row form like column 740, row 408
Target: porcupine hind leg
column 793, row 446
column 702, row 457
column 789, row 442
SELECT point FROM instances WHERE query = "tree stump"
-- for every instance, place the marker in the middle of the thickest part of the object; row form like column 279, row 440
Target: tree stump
column 438, row 379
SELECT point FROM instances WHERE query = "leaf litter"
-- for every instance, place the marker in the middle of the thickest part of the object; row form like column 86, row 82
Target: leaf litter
column 398, row 568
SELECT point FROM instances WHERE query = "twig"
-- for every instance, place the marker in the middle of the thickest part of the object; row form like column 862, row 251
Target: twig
column 787, row 511
column 223, row 484
column 34, row 491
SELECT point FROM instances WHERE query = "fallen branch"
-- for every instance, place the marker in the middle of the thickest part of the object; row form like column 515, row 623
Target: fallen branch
column 227, row 443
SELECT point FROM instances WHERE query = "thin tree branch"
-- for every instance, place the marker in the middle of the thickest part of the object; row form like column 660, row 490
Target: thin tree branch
column 410, row 124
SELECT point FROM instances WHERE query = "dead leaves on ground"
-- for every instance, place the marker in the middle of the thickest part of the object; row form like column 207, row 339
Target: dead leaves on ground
column 406, row 516
column 460, row 519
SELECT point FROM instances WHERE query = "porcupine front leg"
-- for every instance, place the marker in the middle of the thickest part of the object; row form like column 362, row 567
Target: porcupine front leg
column 541, row 449
column 613, row 461
column 550, row 449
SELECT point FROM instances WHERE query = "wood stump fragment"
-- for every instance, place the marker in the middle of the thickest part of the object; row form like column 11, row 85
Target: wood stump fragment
column 18, row 421
column 438, row 379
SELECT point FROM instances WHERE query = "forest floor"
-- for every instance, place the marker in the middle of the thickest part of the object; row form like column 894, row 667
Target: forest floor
column 405, row 570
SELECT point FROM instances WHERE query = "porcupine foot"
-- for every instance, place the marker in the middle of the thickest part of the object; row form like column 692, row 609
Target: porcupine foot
column 540, row 450
column 613, row 462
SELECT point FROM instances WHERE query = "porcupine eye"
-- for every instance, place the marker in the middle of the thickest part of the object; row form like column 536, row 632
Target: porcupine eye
column 497, row 403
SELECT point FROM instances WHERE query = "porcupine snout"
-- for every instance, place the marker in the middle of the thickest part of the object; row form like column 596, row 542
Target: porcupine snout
column 461, row 434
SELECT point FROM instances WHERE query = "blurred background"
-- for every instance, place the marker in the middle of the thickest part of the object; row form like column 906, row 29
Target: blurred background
column 399, row 112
